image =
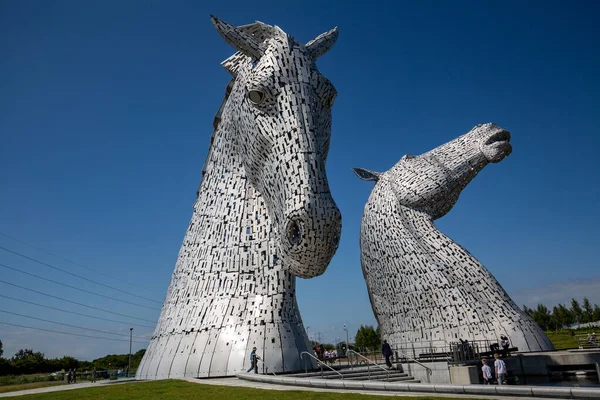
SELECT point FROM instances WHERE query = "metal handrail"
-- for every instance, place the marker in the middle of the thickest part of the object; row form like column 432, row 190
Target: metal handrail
column 429, row 370
column 319, row 362
column 267, row 365
column 370, row 362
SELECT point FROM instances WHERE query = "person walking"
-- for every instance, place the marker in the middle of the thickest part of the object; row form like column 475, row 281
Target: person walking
column 94, row 374
column 253, row 361
column 74, row 378
column 386, row 350
column 500, row 368
column 487, row 373
column 69, row 376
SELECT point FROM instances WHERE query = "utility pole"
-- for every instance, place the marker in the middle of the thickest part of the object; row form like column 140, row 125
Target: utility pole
column 130, row 341
column 318, row 336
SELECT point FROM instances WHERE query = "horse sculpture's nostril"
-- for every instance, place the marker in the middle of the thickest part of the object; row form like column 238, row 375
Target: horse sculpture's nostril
column 294, row 234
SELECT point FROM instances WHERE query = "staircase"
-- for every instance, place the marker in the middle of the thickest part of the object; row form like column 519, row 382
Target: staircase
column 359, row 374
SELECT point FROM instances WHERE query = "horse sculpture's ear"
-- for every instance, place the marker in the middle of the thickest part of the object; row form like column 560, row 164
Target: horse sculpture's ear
column 238, row 39
column 322, row 43
column 366, row 175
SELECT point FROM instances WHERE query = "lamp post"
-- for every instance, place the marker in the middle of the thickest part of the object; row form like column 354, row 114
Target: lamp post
column 130, row 341
column 347, row 346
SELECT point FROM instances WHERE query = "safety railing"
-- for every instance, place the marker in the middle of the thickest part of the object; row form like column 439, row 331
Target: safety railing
column 369, row 363
column 319, row 362
column 267, row 365
column 428, row 370
column 587, row 341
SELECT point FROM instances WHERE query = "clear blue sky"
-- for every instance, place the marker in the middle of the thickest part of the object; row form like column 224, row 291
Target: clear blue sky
column 105, row 118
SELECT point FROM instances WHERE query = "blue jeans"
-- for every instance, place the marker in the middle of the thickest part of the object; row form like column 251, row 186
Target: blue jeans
column 253, row 366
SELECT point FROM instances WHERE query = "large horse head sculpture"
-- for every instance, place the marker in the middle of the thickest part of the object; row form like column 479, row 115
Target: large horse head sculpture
column 280, row 109
column 263, row 215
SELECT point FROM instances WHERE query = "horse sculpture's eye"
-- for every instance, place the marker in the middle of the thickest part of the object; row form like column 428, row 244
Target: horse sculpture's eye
column 256, row 96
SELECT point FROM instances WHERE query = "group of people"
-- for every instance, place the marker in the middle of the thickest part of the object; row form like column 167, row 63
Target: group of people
column 592, row 339
column 71, row 375
column 504, row 343
column 325, row 355
column 499, row 371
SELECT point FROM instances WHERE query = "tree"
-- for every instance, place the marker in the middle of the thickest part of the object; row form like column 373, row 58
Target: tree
column 26, row 361
column 67, row 362
column 542, row 317
column 562, row 316
column 366, row 338
column 1, row 350
column 576, row 311
column 22, row 354
column 588, row 311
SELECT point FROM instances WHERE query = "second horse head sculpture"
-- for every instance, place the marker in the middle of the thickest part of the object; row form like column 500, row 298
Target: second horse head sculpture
column 423, row 286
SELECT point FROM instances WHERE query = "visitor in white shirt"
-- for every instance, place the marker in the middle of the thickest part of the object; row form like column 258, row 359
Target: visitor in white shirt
column 500, row 367
column 487, row 373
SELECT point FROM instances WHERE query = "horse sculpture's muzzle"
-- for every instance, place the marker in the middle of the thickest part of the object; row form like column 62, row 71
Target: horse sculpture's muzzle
column 311, row 238
column 496, row 146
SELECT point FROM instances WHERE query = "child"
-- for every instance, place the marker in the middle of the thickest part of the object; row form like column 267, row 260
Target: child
column 487, row 373
column 500, row 367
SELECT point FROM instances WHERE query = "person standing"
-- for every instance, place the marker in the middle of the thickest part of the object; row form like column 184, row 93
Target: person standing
column 500, row 368
column 74, row 378
column 386, row 350
column 253, row 361
column 487, row 373
column 94, row 374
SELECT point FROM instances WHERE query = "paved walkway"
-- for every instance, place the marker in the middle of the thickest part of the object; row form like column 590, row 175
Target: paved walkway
column 260, row 385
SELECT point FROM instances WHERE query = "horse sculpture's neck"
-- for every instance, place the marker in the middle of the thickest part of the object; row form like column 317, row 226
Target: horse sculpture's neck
column 238, row 294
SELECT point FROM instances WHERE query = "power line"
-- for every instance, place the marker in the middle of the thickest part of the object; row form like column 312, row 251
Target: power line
column 74, row 302
column 71, row 326
column 75, row 263
column 78, row 276
column 74, row 312
column 69, row 333
column 76, row 288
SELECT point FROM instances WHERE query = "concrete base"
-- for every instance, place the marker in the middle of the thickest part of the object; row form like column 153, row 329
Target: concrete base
column 437, row 373
column 467, row 375
column 481, row 390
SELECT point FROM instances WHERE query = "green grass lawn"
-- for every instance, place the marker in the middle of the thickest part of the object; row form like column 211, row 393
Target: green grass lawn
column 562, row 339
column 25, row 386
column 565, row 339
column 180, row 390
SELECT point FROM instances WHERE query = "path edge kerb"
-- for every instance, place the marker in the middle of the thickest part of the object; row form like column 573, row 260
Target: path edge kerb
column 521, row 391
